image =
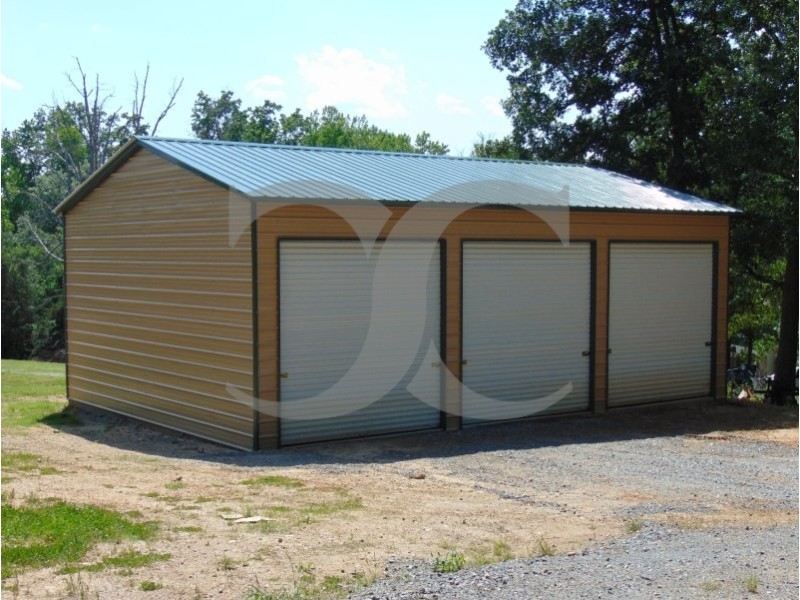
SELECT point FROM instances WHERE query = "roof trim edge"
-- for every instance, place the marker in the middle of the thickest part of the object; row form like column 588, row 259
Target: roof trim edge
column 98, row 177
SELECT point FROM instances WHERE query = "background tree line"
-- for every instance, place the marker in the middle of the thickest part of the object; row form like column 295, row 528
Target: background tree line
column 698, row 96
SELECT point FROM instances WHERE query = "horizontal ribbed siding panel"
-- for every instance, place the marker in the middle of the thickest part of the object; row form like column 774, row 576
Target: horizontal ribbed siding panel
column 178, row 325
column 526, row 324
column 159, row 310
column 157, row 268
column 660, row 312
column 325, row 304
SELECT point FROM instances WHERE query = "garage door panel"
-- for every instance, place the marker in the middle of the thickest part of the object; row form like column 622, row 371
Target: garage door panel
column 660, row 322
column 326, row 292
column 526, row 323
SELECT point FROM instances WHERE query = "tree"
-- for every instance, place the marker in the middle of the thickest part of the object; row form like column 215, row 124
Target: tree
column 697, row 96
column 224, row 119
column 43, row 160
column 488, row 147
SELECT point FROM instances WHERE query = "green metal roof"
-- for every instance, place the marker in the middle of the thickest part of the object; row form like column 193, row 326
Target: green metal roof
column 267, row 171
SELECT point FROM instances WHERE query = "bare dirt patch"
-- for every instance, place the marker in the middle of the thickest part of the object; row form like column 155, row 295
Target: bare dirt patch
column 347, row 510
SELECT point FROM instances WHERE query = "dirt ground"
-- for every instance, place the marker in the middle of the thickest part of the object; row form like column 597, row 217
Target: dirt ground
column 343, row 510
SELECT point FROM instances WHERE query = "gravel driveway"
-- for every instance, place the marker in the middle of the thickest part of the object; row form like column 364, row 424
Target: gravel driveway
column 716, row 509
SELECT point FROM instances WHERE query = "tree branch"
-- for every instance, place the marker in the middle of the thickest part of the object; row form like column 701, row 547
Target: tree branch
column 40, row 241
column 170, row 104
column 763, row 278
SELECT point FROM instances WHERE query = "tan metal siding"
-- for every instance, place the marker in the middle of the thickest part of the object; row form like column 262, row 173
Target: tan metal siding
column 489, row 224
column 159, row 304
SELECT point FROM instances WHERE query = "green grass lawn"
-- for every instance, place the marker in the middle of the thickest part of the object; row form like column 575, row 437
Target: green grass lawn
column 51, row 532
column 34, row 392
column 39, row 533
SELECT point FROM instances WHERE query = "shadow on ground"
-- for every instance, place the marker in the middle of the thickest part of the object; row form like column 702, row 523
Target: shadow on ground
column 698, row 418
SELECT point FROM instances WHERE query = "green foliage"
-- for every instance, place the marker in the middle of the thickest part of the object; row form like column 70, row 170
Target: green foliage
column 454, row 561
column 698, row 96
column 43, row 160
column 487, row 147
column 225, row 119
column 52, row 532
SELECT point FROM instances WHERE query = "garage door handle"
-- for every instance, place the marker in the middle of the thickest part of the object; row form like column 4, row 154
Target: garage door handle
column 465, row 362
column 586, row 353
column 284, row 376
column 708, row 344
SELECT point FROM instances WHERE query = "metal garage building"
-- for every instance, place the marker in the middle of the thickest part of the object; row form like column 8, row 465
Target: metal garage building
column 260, row 295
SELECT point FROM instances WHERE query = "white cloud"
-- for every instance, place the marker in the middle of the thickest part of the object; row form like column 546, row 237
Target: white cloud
column 9, row 83
column 492, row 105
column 266, row 88
column 452, row 105
column 340, row 77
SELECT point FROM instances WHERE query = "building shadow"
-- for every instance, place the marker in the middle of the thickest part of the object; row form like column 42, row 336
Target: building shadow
column 719, row 420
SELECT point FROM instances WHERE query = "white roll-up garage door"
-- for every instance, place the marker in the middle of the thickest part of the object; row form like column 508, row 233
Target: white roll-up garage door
column 526, row 328
column 660, row 322
column 342, row 375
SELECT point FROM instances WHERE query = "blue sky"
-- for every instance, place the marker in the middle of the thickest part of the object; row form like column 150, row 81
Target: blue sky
column 407, row 65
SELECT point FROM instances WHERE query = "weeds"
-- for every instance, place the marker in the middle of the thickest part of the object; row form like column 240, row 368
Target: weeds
column 544, row 548
column 633, row 525
column 77, row 588
column 751, row 583
column 454, row 561
column 150, row 586
column 226, row 563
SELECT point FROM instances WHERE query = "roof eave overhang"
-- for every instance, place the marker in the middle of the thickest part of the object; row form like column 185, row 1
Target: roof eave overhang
column 84, row 189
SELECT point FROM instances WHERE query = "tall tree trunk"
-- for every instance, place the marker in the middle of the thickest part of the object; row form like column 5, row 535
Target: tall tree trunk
column 786, row 361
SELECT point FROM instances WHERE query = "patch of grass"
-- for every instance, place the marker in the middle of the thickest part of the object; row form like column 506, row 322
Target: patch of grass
column 20, row 461
column 226, row 563
column 24, row 462
column 633, row 525
column 307, row 587
column 31, row 392
column 544, row 548
column 189, row 529
column 326, row 508
column 710, row 586
column 52, row 532
column 157, row 496
column 150, row 586
column 454, row 561
column 499, row 551
column 175, row 485
column 502, row 551
column 274, row 480
column 130, row 559
column 751, row 583
column 203, row 499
